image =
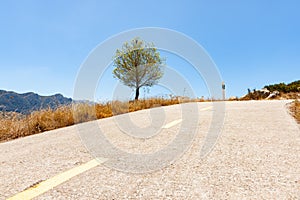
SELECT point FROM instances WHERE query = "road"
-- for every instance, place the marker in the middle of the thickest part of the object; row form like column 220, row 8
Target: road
column 256, row 156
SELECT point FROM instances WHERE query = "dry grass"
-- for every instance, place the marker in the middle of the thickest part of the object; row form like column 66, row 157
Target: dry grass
column 291, row 95
column 295, row 109
column 14, row 125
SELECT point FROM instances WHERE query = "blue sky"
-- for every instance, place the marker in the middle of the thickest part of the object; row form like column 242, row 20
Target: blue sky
column 43, row 43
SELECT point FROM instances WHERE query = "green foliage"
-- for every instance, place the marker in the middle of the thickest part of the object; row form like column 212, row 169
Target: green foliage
column 138, row 64
column 285, row 88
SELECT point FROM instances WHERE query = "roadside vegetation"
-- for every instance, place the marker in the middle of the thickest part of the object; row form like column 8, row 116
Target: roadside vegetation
column 137, row 64
column 295, row 109
column 275, row 91
column 14, row 125
column 292, row 87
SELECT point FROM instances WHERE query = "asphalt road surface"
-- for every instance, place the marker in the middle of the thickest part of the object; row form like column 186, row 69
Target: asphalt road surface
column 256, row 156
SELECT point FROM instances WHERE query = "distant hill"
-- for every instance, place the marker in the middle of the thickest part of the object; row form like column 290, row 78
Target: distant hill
column 285, row 88
column 28, row 102
column 275, row 91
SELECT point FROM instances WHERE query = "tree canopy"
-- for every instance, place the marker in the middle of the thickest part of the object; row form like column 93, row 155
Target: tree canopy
column 138, row 64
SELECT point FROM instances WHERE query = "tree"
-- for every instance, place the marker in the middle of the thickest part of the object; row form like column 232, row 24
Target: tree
column 138, row 64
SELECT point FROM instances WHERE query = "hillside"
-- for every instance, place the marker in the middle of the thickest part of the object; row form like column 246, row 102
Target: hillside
column 285, row 88
column 28, row 102
column 275, row 91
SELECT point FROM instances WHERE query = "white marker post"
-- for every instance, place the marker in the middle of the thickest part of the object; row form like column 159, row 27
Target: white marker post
column 223, row 90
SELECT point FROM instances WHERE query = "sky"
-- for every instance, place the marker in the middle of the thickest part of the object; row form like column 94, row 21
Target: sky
column 44, row 43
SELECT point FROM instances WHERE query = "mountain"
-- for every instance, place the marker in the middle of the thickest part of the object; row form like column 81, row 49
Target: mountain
column 28, row 102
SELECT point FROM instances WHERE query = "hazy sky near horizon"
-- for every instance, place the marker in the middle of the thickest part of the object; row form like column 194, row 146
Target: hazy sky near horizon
column 43, row 43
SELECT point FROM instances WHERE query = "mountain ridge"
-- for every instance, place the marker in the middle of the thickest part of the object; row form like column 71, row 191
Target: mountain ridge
column 28, row 102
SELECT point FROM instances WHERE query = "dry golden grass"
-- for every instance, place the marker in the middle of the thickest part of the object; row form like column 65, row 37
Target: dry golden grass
column 295, row 109
column 13, row 125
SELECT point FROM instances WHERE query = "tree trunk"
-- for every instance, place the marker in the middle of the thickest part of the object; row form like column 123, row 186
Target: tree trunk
column 137, row 93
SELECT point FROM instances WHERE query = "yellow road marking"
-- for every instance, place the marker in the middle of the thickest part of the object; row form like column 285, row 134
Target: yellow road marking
column 175, row 122
column 49, row 184
column 207, row 108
